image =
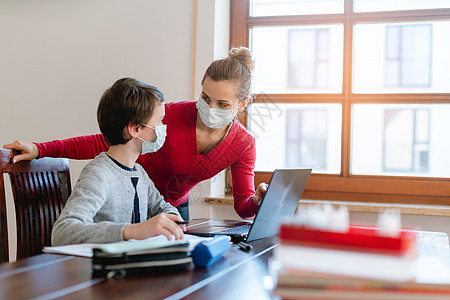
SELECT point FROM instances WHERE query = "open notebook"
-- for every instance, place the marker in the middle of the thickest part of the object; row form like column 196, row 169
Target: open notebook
column 85, row 250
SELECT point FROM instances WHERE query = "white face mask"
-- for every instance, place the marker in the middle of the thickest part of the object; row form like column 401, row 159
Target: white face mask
column 213, row 117
column 161, row 133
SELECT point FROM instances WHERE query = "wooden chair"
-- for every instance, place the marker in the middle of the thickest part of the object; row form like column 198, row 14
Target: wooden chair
column 40, row 190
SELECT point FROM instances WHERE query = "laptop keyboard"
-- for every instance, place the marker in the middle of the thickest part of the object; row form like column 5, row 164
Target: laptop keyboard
column 243, row 229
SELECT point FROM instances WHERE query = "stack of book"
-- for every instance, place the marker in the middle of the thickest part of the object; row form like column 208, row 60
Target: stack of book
column 359, row 263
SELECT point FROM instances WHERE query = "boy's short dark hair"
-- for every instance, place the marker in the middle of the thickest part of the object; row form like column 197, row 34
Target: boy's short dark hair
column 127, row 101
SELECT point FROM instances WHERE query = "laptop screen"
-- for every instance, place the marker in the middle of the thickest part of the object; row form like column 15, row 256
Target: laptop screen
column 280, row 201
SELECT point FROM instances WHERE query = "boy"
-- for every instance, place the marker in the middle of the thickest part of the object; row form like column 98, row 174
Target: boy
column 114, row 199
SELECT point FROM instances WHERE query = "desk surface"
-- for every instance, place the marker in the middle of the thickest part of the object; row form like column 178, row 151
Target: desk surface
column 239, row 275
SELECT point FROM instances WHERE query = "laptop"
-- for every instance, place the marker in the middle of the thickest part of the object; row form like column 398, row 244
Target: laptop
column 279, row 202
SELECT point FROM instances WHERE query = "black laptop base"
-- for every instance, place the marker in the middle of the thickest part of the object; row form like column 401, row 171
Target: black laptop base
column 234, row 239
column 207, row 227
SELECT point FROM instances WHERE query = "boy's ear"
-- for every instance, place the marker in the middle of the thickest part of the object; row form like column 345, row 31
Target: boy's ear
column 132, row 130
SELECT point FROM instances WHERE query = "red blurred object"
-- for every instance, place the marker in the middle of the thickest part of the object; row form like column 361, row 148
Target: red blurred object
column 358, row 238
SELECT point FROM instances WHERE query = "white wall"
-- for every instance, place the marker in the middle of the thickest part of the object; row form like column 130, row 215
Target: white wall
column 57, row 58
column 212, row 24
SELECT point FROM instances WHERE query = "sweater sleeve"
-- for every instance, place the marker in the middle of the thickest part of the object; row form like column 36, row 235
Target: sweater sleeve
column 242, row 177
column 76, row 224
column 82, row 147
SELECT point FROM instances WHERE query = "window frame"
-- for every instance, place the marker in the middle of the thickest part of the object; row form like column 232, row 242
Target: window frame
column 346, row 186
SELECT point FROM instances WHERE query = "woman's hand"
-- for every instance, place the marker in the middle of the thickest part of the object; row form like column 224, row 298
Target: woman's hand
column 260, row 191
column 28, row 150
column 160, row 224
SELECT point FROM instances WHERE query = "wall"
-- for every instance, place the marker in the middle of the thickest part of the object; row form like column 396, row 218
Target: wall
column 57, row 58
column 212, row 24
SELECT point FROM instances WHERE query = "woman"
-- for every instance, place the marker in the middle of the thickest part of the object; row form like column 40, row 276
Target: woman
column 203, row 138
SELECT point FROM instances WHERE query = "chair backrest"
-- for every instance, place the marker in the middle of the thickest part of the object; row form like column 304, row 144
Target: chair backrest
column 40, row 190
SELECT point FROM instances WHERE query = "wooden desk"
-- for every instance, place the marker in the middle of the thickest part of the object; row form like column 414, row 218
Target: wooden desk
column 239, row 275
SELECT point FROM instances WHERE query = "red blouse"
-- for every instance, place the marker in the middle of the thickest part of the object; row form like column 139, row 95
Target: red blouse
column 178, row 167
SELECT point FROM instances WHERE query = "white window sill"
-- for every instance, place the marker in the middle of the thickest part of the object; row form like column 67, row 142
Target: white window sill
column 372, row 207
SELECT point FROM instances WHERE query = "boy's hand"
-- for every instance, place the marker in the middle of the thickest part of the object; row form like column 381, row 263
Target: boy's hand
column 161, row 224
column 28, row 150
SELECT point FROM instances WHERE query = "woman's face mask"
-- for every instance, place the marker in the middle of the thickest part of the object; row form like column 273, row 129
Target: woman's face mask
column 161, row 133
column 213, row 117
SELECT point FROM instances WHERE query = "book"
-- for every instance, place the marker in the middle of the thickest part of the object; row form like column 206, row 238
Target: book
column 347, row 263
column 296, row 278
column 294, row 283
column 81, row 250
column 356, row 264
column 85, row 250
column 356, row 238
column 349, row 294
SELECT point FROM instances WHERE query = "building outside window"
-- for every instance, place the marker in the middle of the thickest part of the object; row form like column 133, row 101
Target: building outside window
column 406, row 140
column 306, row 138
column 408, row 55
column 308, row 58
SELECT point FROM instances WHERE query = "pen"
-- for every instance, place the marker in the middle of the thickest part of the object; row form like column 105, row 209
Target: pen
column 245, row 247
column 182, row 222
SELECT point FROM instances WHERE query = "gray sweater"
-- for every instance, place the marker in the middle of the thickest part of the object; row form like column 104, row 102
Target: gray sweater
column 102, row 204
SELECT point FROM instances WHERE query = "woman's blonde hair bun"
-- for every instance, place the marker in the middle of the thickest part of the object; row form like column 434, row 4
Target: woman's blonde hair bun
column 237, row 67
column 243, row 55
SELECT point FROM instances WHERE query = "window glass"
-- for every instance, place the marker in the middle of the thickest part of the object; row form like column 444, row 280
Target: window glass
column 401, row 139
column 296, row 136
column 402, row 57
column 392, row 5
column 298, row 59
column 261, row 8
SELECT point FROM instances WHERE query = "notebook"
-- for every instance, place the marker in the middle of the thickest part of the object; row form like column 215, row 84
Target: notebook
column 280, row 201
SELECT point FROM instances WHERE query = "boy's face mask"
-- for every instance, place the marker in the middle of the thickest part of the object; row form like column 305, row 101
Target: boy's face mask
column 161, row 133
column 213, row 117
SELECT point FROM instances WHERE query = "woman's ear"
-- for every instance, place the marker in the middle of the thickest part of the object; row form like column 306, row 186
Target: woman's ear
column 243, row 105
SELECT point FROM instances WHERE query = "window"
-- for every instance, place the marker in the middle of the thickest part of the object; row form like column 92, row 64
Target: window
column 398, row 139
column 356, row 90
column 296, row 135
column 401, row 57
column 303, row 58
column 288, row 7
